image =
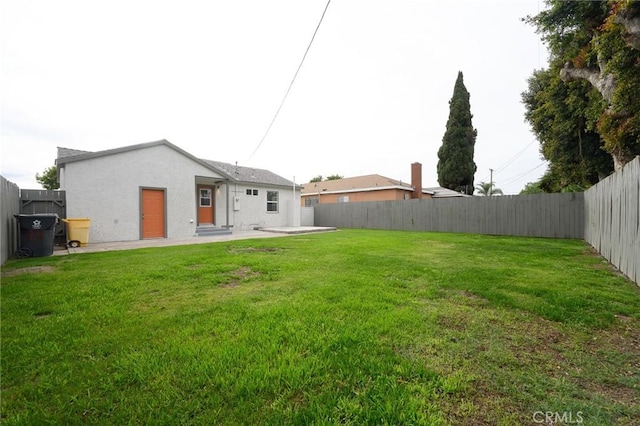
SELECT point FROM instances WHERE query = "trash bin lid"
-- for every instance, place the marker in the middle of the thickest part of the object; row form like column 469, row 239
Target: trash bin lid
column 37, row 221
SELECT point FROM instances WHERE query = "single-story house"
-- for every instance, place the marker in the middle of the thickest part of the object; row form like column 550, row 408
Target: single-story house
column 158, row 190
column 371, row 188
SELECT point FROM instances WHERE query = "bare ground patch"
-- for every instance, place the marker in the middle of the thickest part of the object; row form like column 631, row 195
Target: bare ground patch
column 29, row 270
column 620, row 341
column 240, row 250
column 535, row 344
column 42, row 314
column 240, row 275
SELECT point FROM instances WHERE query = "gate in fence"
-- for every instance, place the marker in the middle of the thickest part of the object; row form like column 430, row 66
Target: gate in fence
column 36, row 201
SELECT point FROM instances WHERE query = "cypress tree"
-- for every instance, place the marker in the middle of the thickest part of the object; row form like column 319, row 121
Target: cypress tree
column 456, row 167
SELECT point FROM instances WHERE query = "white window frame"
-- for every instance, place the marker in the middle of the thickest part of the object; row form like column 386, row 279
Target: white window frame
column 275, row 202
column 207, row 196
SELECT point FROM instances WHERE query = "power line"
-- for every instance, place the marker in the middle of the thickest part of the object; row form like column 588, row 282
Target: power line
column 520, row 176
column 510, row 160
column 292, row 81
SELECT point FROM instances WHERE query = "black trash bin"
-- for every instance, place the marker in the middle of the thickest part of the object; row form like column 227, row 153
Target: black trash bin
column 37, row 233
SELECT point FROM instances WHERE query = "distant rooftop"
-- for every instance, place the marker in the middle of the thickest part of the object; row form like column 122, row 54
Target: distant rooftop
column 367, row 182
column 371, row 183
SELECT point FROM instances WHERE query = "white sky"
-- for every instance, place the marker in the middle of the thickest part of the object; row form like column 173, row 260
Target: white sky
column 372, row 96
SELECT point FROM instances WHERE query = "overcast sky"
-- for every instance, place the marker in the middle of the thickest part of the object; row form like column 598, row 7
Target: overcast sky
column 372, row 95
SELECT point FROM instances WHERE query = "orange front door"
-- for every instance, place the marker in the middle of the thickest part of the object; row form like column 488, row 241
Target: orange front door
column 205, row 205
column 153, row 220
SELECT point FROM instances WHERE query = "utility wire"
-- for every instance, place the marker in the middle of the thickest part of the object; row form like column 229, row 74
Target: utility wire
column 512, row 159
column 520, row 176
column 291, row 84
column 509, row 161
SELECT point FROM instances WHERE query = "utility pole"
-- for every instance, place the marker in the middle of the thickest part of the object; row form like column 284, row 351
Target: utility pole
column 491, row 183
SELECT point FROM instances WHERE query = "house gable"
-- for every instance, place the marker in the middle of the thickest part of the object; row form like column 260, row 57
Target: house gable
column 67, row 155
column 228, row 171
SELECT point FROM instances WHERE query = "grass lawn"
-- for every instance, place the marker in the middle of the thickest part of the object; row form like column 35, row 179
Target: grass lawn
column 349, row 327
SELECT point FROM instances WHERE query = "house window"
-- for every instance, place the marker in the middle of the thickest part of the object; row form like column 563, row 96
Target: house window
column 255, row 192
column 248, row 192
column 344, row 199
column 205, row 197
column 311, row 201
column 272, row 201
column 252, row 192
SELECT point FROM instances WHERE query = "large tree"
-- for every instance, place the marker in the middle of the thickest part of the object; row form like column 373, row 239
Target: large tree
column 563, row 118
column 456, row 167
column 49, row 178
column 598, row 43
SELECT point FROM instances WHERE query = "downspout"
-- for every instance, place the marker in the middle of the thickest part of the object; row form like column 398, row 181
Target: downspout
column 227, row 191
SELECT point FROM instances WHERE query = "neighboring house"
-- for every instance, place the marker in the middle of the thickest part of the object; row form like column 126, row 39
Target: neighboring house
column 371, row 188
column 157, row 190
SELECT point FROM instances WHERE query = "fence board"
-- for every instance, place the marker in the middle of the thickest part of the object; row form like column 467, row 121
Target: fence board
column 612, row 210
column 9, row 206
column 612, row 219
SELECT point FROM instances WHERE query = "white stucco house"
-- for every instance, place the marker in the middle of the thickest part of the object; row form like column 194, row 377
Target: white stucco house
column 158, row 190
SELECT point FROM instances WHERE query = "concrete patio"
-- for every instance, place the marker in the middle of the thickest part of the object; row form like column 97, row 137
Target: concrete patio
column 165, row 242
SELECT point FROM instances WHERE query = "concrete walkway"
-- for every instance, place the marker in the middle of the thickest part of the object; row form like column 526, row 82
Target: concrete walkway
column 164, row 242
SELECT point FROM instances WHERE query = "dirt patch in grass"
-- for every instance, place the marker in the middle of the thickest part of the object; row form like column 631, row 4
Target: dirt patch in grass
column 240, row 250
column 481, row 406
column 621, row 340
column 240, row 275
column 532, row 344
column 624, row 336
column 619, row 394
column 29, row 270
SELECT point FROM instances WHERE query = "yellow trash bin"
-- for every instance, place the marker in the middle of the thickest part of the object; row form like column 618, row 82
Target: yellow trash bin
column 77, row 231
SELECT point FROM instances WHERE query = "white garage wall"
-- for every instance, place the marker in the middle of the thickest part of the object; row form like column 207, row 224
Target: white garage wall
column 107, row 190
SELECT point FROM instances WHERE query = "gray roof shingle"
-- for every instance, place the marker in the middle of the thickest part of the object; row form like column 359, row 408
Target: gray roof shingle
column 250, row 174
column 68, row 152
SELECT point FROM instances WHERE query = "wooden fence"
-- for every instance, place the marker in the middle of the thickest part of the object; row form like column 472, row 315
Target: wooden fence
column 9, row 206
column 15, row 201
column 38, row 201
column 612, row 219
column 537, row 215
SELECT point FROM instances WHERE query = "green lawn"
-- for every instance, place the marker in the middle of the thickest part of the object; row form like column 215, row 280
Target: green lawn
column 348, row 327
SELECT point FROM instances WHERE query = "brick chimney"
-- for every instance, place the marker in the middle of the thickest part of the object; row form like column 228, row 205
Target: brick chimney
column 416, row 180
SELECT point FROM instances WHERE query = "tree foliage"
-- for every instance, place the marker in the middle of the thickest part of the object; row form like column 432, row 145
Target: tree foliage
column 596, row 44
column 456, row 167
column 532, row 188
column 49, row 178
column 319, row 178
column 488, row 189
column 563, row 117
